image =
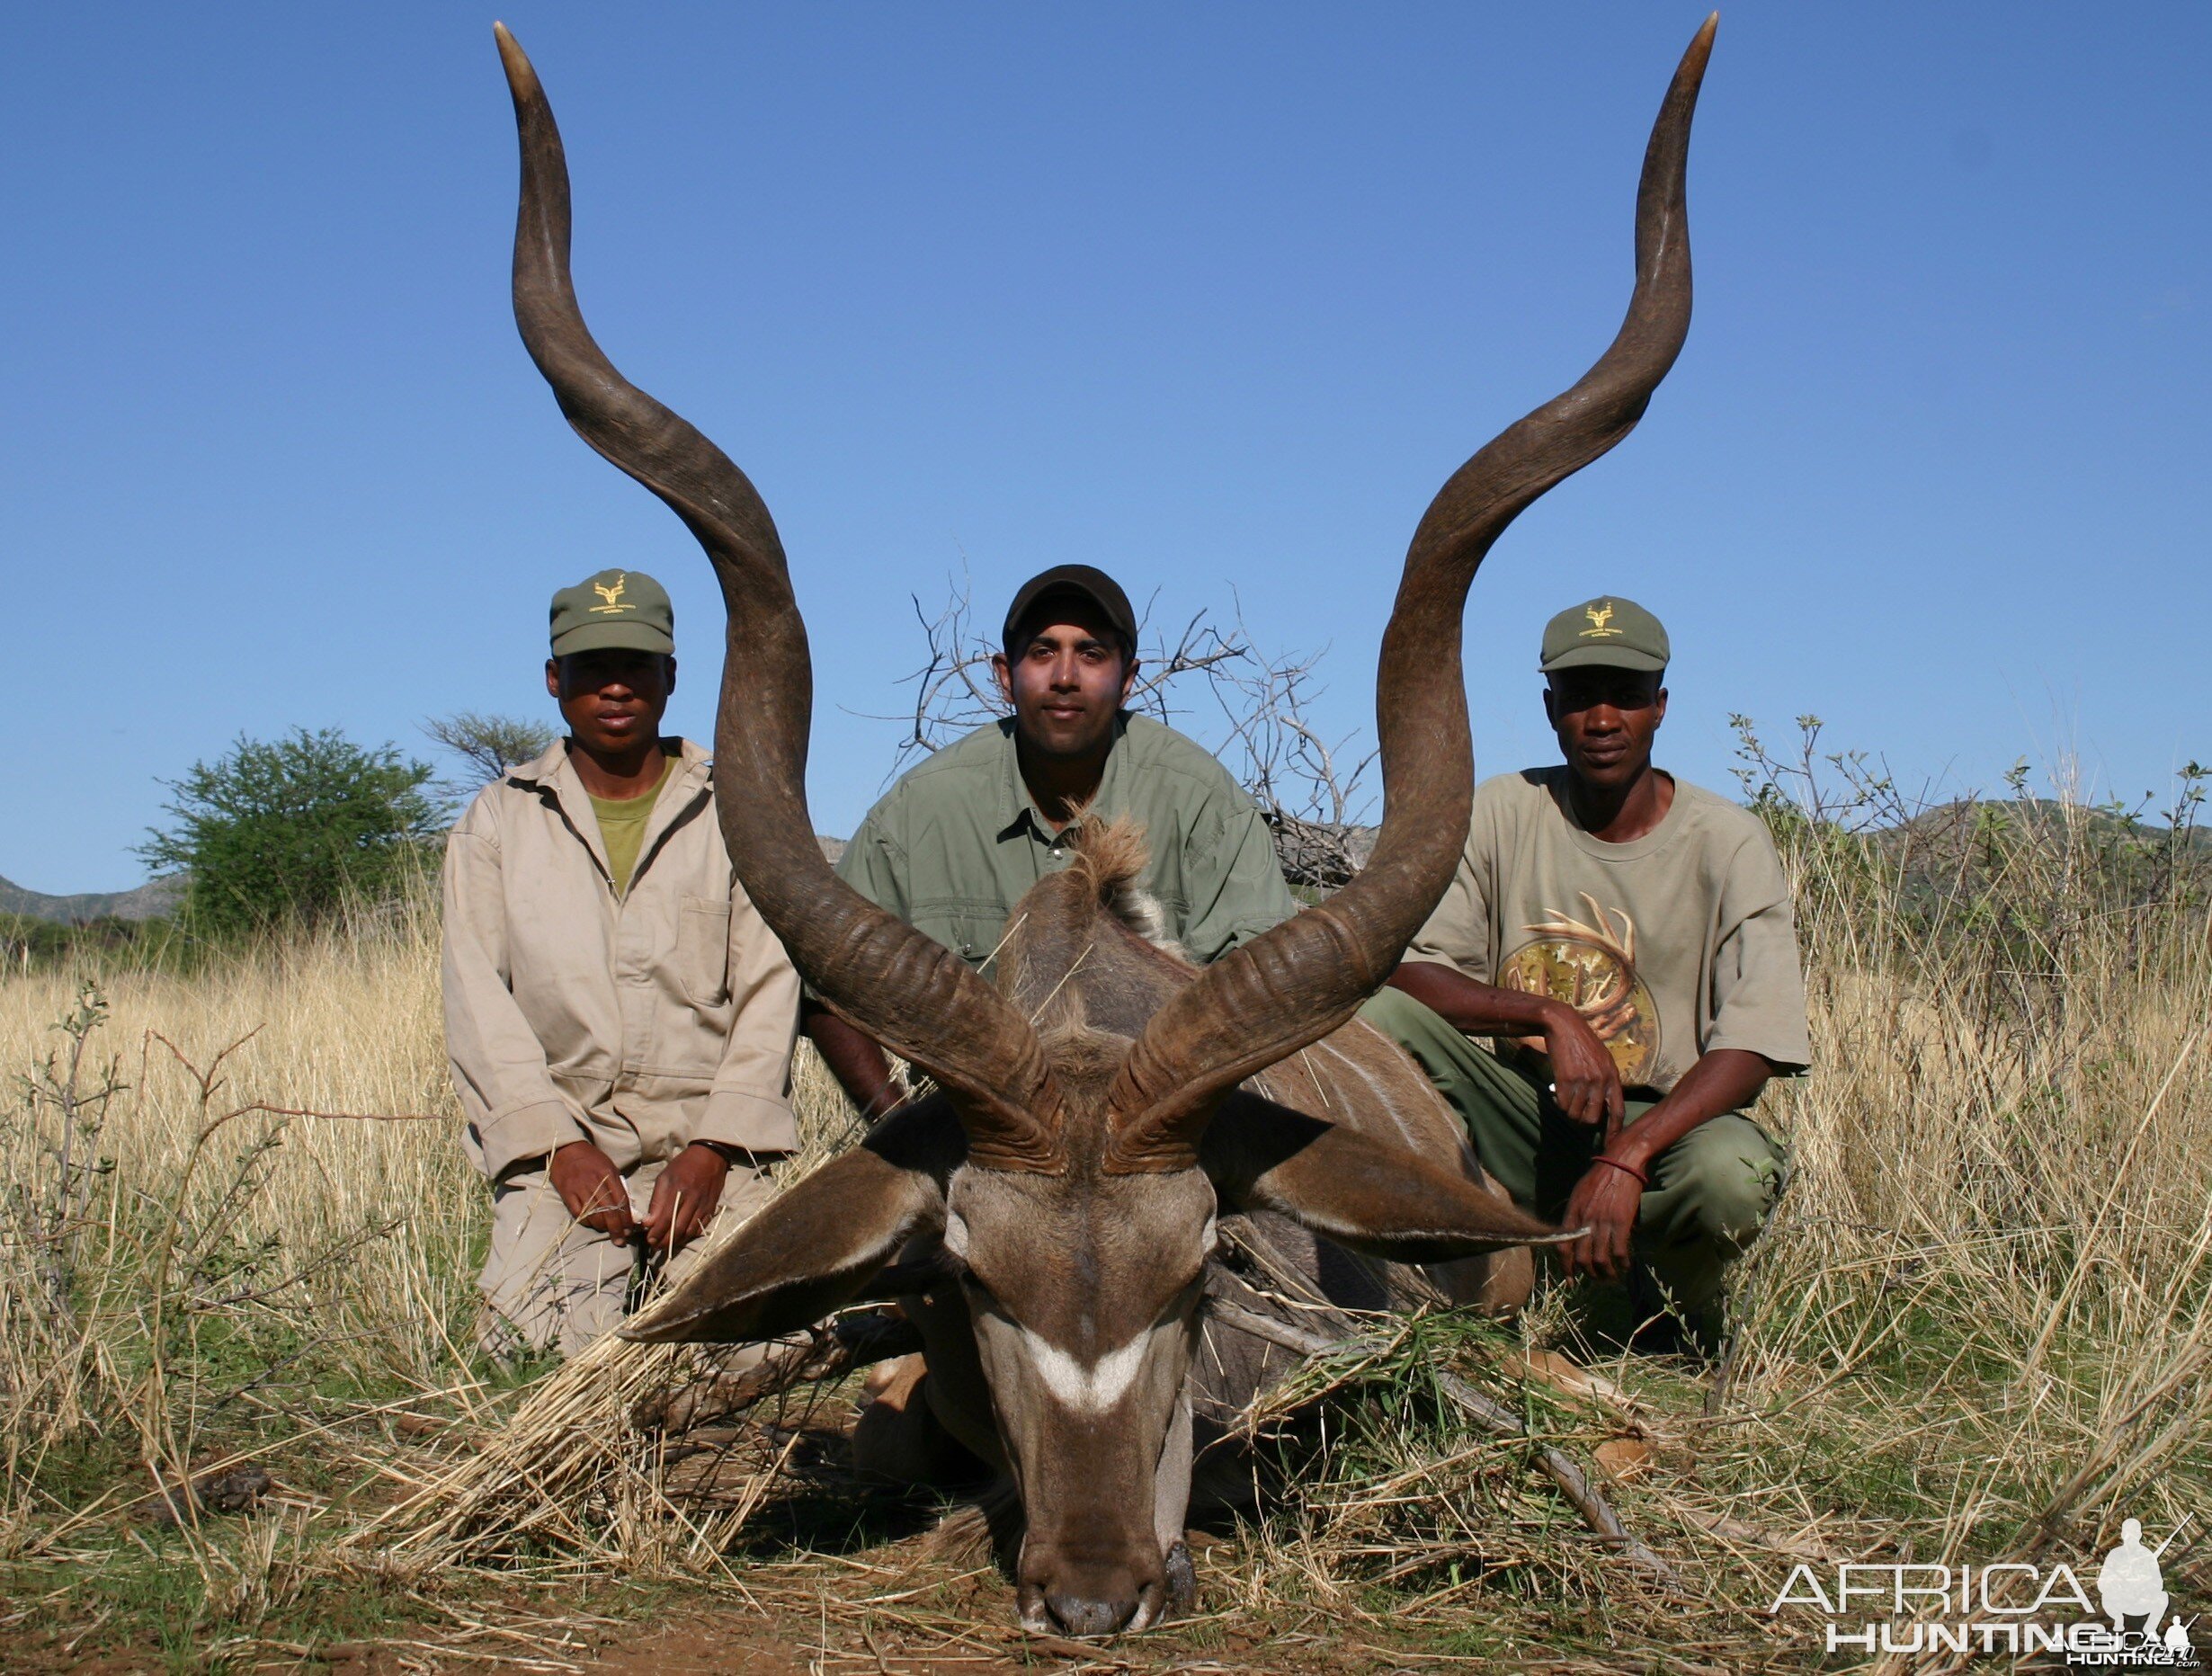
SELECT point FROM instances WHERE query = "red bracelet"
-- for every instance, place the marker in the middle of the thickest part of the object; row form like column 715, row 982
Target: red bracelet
column 1630, row 1171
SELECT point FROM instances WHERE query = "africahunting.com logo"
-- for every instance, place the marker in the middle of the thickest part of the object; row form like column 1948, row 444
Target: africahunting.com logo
column 2006, row 1610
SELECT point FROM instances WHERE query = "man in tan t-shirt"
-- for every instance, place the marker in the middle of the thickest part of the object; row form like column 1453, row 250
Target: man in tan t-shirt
column 619, row 1019
column 1626, row 941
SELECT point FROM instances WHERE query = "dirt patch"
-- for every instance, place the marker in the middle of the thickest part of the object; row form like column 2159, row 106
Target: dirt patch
column 745, row 1644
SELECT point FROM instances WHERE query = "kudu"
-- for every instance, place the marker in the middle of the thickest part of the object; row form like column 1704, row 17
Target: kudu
column 1099, row 1102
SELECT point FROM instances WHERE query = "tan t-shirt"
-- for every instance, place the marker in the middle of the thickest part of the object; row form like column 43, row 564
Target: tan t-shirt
column 1673, row 944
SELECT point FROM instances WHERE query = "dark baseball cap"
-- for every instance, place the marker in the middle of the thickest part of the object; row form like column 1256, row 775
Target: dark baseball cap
column 1609, row 631
column 1083, row 581
column 622, row 608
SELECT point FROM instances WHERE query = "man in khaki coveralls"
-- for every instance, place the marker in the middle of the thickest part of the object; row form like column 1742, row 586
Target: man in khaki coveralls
column 1627, row 940
column 961, row 838
column 619, row 1019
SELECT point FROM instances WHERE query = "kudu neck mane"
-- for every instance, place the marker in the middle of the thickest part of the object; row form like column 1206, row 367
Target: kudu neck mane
column 1081, row 928
column 1110, row 859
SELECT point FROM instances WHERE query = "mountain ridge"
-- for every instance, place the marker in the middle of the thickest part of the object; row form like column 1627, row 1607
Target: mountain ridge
column 149, row 901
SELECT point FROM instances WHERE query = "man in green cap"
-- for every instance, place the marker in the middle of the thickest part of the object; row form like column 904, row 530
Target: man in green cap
column 619, row 1019
column 1625, row 940
column 961, row 837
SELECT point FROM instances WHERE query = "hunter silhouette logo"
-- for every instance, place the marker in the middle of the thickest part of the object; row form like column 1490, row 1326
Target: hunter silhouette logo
column 612, row 597
column 1598, row 616
column 2010, row 1607
column 2132, row 1590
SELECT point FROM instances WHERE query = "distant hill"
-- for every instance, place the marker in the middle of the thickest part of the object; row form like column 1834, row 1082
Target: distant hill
column 159, row 896
column 1947, row 835
column 149, row 901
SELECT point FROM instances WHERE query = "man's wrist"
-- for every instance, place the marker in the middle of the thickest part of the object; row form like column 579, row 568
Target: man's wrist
column 1629, row 1151
column 1552, row 1013
column 1611, row 1162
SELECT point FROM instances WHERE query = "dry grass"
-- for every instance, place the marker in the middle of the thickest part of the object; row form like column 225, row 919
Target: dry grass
column 1977, row 1329
column 349, row 1237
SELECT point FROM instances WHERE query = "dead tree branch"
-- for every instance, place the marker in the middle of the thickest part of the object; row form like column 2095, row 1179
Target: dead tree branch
column 1254, row 711
column 1573, row 1483
column 818, row 1356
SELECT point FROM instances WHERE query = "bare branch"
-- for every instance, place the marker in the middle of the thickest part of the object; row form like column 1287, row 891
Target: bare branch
column 1252, row 711
column 489, row 745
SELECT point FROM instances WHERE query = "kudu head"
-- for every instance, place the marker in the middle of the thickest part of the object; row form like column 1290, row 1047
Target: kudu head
column 1088, row 1121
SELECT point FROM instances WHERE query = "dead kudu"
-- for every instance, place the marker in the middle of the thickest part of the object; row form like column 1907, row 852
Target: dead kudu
column 1107, row 1114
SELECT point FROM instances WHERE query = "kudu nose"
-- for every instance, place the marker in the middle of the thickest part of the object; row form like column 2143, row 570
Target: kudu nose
column 1077, row 1616
column 1088, row 1592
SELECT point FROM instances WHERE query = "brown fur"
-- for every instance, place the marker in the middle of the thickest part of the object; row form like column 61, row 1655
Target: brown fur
column 1078, row 1302
column 1112, row 854
column 1112, row 858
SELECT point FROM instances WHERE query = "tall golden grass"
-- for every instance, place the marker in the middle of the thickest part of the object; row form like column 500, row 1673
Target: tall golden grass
column 349, row 1234
column 1976, row 1328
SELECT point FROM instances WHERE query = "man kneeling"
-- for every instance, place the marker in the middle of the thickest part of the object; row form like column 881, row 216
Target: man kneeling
column 619, row 1019
column 1628, row 939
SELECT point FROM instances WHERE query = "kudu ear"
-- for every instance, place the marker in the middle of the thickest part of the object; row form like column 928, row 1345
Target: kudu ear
column 815, row 1247
column 1369, row 1194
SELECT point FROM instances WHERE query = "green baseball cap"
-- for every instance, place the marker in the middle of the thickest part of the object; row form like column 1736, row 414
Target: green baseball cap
column 1611, row 631
column 624, row 609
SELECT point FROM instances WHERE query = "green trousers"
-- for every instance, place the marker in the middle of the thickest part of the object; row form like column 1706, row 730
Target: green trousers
column 1710, row 1192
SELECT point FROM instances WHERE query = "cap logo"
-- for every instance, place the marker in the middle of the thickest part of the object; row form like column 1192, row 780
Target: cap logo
column 612, row 597
column 1599, row 618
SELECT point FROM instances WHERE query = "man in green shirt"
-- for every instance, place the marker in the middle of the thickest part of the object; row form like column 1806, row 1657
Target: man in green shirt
column 958, row 840
column 1628, row 940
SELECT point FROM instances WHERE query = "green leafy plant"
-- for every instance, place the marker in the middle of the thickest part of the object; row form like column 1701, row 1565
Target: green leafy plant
column 292, row 829
column 65, row 1102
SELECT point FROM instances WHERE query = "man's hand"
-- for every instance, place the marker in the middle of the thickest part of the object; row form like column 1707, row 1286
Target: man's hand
column 1604, row 1201
column 593, row 1190
column 1584, row 1080
column 684, row 1197
column 1585, row 1083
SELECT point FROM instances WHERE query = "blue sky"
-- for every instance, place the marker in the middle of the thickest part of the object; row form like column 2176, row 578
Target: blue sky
column 1214, row 297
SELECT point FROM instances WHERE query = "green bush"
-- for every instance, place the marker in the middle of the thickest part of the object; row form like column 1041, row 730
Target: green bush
column 88, row 945
column 292, row 829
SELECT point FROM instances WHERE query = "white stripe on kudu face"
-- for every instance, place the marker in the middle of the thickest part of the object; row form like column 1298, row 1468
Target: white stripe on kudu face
column 1091, row 1390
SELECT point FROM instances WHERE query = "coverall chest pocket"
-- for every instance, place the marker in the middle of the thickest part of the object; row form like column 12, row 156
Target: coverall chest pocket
column 702, row 950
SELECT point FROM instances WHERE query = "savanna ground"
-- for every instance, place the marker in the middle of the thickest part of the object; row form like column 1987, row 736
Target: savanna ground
column 238, row 1242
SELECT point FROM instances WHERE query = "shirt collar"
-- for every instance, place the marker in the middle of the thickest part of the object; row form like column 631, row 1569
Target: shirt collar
column 1016, row 806
column 554, row 775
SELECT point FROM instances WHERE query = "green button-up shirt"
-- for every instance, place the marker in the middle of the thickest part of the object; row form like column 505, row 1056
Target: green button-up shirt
column 958, row 840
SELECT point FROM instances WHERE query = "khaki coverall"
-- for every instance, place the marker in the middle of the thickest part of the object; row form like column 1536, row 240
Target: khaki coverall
column 641, row 1021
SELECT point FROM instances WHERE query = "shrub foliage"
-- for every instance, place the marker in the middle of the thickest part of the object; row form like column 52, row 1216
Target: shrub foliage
column 291, row 829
